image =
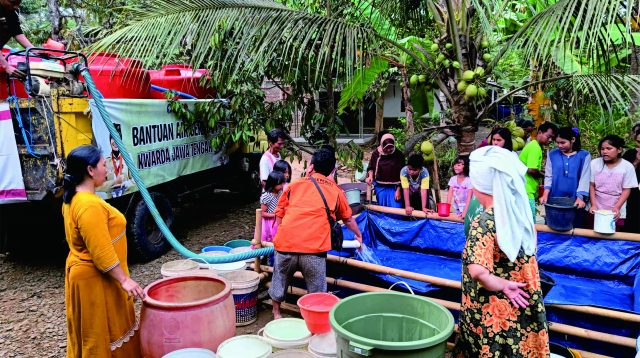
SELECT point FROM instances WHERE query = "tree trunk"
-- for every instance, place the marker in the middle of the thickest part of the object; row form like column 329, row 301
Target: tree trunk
column 379, row 124
column 463, row 115
column 56, row 19
column 406, row 94
column 635, row 70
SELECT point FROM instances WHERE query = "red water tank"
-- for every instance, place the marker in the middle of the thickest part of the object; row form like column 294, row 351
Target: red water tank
column 119, row 77
column 180, row 77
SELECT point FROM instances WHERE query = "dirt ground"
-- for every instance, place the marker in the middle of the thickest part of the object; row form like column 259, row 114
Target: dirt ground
column 32, row 322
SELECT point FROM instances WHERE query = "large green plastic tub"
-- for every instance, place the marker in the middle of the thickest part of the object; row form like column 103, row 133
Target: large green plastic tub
column 390, row 324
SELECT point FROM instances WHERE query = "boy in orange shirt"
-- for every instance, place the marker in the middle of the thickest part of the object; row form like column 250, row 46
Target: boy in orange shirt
column 304, row 236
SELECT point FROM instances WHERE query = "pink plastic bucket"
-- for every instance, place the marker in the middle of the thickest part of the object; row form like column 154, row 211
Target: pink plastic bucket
column 315, row 308
column 444, row 209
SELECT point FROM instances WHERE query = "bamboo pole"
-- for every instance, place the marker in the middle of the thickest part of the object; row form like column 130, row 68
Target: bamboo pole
column 257, row 238
column 415, row 213
column 622, row 236
column 395, row 272
column 592, row 335
column 601, row 312
column 436, row 179
column 553, row 326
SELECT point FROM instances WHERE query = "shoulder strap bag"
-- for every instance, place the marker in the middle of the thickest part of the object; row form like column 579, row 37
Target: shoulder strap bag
column 334, row 226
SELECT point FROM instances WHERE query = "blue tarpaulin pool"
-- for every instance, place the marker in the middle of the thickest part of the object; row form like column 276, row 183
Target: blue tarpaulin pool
column 587, row 271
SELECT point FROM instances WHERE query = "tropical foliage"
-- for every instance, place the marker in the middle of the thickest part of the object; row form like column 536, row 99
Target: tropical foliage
column 464, row 50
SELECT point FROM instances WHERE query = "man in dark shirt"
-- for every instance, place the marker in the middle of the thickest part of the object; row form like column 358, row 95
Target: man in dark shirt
column 10, row 27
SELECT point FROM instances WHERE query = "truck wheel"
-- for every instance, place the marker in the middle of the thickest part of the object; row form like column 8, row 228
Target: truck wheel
column 250, row 185
column 144, row 234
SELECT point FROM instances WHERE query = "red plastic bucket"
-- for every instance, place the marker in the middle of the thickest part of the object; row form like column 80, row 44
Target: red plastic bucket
column 444, row 209
column 315, row 308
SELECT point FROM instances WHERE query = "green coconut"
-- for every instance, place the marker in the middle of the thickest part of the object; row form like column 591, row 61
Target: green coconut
column 434, row 48
column 484, row 44
column 487, row 57
column 426, row 147
column 428, row 158
column 455, row 64
column 518, row 132
column 448, row 46
column 471, row 91
column 440, row 58
column 519, row 142
column 479, row 71
column 413, row 80
column 422, row 78
column 482, row 92
column 468, row 75
column 462, row 85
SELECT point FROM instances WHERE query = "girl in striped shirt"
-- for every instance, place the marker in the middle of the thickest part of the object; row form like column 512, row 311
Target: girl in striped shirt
column 268, row 202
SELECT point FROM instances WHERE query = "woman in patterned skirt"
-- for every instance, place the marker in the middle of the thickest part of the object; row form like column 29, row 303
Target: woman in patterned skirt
column 502, row 312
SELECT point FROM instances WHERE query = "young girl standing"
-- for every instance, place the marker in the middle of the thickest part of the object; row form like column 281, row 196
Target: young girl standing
column 612, row 179
column 460, row 186
column 568, row 171
column 269, row 202
column 283, row 167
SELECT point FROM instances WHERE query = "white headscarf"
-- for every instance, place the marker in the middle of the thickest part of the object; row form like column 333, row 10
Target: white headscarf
column 497, row 172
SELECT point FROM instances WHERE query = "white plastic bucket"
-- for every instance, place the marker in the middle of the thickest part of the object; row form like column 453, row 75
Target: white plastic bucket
column 190, row 353
column 178, row 267
column 221, row 268
column 323, row 345
column 240, row 250
column 286, row 333
column 353, row 196
column 244, row 288
column 291, row 353
column 604, row 222
column 246, row 346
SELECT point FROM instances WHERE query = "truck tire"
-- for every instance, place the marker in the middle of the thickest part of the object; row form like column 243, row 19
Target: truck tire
column 249, row 185
column 143, row 233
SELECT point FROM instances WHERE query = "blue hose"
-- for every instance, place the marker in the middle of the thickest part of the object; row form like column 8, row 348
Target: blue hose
column 133, row 170
column 178, row 93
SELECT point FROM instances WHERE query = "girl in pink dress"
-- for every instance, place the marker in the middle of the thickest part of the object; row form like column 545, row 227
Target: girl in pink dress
column 269, row 202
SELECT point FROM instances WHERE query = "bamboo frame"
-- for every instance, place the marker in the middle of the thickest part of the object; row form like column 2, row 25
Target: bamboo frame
column 257, row 238
column 621, row 236
column 553, row 327
column 596, row 311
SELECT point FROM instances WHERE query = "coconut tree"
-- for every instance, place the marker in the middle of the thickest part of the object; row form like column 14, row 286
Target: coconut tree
column 340, row 37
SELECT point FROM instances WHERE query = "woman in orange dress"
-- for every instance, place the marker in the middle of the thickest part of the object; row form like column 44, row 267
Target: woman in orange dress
column 99, row 293
column 502, row 312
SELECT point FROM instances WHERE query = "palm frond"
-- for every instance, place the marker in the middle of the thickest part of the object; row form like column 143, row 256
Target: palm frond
column 254, row 33
column 583, row 27
column 364, row 78
column 608, row 90
column 413, row 14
